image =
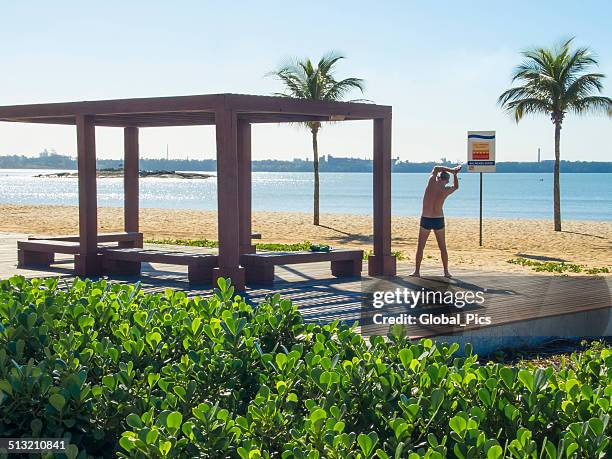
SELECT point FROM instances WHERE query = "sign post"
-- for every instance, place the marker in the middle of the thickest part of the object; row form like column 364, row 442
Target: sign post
column 481, row 158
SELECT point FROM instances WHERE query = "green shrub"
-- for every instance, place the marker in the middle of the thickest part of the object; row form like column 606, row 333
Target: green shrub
column 269, row 246
column 557, row 267
column 123, row 373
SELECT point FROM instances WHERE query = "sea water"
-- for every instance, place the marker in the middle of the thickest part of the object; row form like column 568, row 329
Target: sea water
column 510, row 195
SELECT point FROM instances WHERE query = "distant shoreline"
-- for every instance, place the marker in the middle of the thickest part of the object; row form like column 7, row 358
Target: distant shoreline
column 327, row 163
column 203, row 171
column 119, row 173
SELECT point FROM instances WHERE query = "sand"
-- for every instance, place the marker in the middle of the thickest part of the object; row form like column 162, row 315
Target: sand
column 580, row 242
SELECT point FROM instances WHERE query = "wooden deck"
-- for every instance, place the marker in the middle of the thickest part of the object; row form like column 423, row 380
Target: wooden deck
column 510, row 298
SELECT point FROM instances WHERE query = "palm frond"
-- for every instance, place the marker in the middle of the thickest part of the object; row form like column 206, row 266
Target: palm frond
column 584, row 85
column 553, row 81
column 338, row 89
column 303, row 80
column 592, row 104
column 522, row 107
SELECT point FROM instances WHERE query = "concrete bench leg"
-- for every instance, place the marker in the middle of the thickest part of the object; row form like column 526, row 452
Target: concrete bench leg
column 346, row 268
column 260, row 274
column 199, row 274
column 88, row 265
column 136, row 243
column 27, row 258
column 121, row 267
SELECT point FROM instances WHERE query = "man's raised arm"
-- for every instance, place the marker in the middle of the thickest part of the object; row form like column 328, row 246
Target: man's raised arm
column 455, row 170
column 456, row 179
column 451, row 170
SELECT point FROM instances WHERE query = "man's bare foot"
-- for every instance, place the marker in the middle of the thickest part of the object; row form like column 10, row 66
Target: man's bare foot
column 448, row 275
column 415, row 274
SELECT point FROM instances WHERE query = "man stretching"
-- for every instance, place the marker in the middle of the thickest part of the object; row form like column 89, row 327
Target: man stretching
column 432, row 217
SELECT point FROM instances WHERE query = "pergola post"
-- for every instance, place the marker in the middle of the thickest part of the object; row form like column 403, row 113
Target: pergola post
column 382, row 263
column 244, row 186
column 228, row 198
column 88, row 261
column 130, row 180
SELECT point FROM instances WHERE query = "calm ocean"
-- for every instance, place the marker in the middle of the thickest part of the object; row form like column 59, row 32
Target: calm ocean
column 583, row 196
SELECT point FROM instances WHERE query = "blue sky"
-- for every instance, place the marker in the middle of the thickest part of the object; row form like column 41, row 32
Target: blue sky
column 441, row 65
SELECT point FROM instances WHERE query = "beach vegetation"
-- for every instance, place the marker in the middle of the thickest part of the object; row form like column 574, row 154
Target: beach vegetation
column 558, row 266
column 119, row 372
column 271, row 246
column 303, row 79
column 554, row 82
column 265, row 246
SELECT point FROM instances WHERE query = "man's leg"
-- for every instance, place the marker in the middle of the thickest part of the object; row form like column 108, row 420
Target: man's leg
column 423, row 235
column 440, row 237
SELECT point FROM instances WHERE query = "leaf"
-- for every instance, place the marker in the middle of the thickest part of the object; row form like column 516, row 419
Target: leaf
column 133, row 420
column 127, row 443
column 495, row 452
column 526, row 378
column 72, row 451
column 367, row 443
column 485, row 396
column 174, row 420
column 281, row 361
column 141, row 318
column 153, row 338
column 36, row 425
column 152, row 379
column 405, row 356
column 458, row 424
column 508, row 376
column 6, row 387
column 57, row 401
column 596, row 425
column 109, row 381
column 86, row 322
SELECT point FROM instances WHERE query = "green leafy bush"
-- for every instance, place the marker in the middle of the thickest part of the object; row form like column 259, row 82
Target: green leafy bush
column 123, row 373
column 557, row 266
column 269, row 246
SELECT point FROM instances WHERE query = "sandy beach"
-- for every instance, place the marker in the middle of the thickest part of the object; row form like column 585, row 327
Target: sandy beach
column 580, row 242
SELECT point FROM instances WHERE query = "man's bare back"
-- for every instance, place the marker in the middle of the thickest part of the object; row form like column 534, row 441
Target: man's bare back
column 432, row 216
column 434, row 197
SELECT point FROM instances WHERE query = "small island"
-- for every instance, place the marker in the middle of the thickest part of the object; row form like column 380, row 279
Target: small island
column 118, row 173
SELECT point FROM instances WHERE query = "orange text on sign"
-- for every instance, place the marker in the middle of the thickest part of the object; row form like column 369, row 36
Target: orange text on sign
column 480, row 150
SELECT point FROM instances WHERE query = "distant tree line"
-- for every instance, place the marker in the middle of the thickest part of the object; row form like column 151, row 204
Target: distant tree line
column 327, row 164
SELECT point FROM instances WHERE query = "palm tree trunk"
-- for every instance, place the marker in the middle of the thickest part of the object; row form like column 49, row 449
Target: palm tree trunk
column 556, row 187
column 315, row 166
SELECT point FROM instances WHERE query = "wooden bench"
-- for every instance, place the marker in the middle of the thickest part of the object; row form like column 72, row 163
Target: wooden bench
column 259, row 267
column 128, row 261
column 129, row 239
column 42, row 252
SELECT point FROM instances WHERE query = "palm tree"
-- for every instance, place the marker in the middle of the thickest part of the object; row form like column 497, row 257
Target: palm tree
column 302, row 80
column 554, row 82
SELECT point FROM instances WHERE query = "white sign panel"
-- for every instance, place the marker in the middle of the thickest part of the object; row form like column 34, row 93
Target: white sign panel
column 481, row 151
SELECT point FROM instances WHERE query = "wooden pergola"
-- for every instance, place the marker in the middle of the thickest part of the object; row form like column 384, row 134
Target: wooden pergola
column 232, row 115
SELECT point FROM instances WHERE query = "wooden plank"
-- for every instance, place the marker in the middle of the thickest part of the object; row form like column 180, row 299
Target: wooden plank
column 244, row 186
column 287, row 258
column 88, row 207
column 102, row 237
column 50, row 246
column 382, row 262
column 242, row 103
column 158, row 256
column 228, row 198
column 131, row 176
column 208, row 102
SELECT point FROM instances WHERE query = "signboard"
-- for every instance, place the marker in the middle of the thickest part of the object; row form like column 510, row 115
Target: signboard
column 481, row 151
